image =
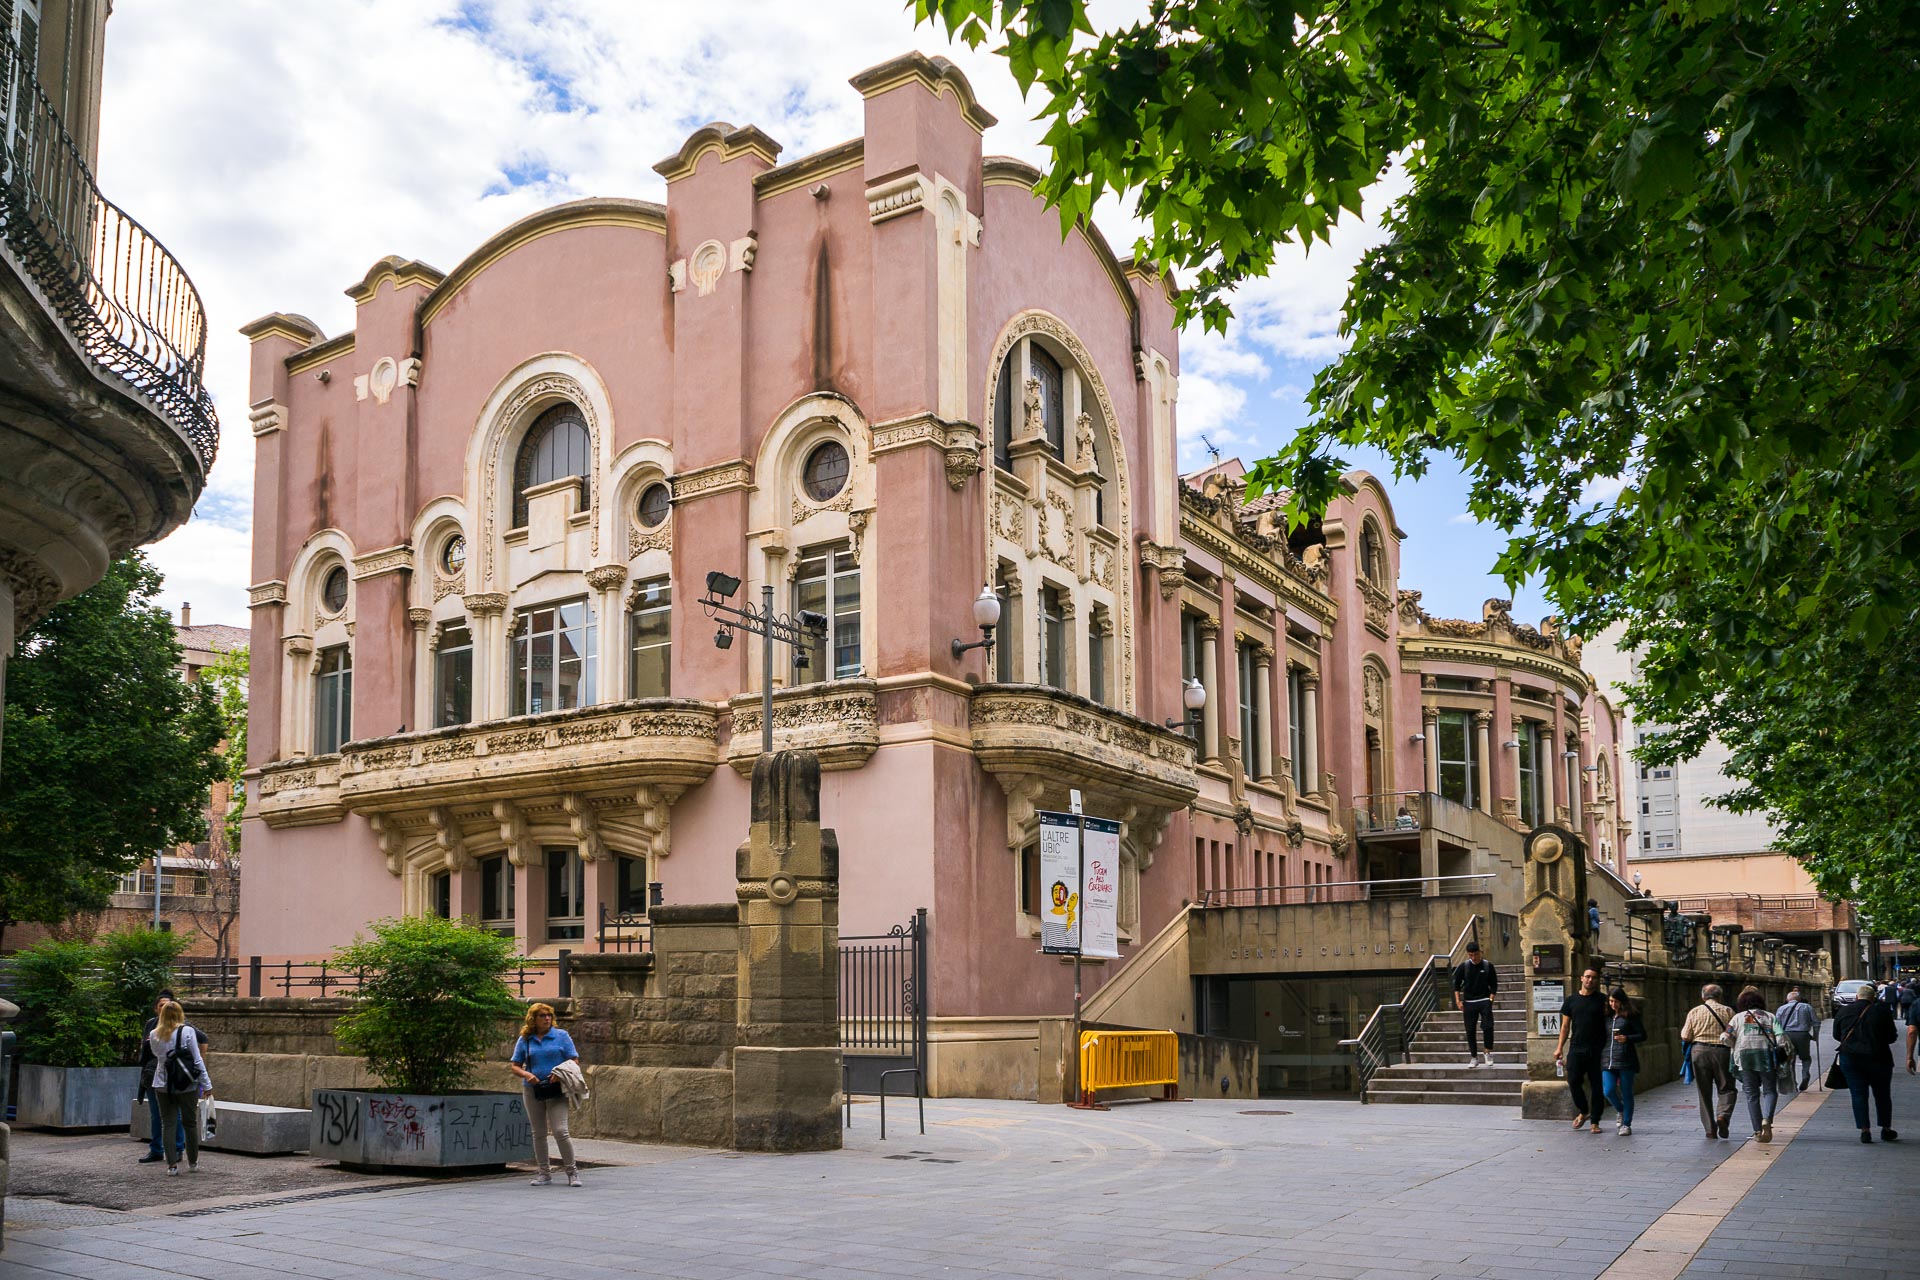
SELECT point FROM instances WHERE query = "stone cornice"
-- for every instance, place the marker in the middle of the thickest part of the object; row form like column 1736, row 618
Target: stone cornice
column 266, row 593
column 267, row 418
column 722, row 477
column 934, row 74
column 1297, row 586
column 837, row 720
column 722, row 137
column 395, row 559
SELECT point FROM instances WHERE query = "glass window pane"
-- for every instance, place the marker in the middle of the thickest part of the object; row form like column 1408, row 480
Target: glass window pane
column 650, row 672
column 453, row 677
column 846, row 617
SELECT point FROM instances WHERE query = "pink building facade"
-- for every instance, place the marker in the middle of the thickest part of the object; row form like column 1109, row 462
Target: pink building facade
column 877, row 378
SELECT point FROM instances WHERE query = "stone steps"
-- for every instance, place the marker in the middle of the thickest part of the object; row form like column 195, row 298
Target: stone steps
column 1502, row 1098
column 1452, row 1076
column 1436, row 1069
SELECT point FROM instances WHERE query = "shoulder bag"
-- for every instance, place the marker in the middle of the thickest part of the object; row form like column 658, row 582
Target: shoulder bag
column 543, row 1090
column 1836, row 1078
column 180, row 1076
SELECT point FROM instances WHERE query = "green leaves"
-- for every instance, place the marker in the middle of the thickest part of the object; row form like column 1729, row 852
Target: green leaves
column 432, row 1004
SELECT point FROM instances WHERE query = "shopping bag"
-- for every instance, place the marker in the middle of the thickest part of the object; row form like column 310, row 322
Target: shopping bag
column 206, row 1118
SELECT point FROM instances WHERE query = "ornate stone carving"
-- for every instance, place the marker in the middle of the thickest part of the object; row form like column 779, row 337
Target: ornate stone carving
column 1083, row 451
column 419, row 617
column 837, row 720
column 802, row 507
column 659, row 538
column 265, row 593
column 486, row 604
column 962, row 462
column 298, row 793
column 706, row 266
column 1033, row 420
column 1497, row 612
column 1056, row 529
column 1376, row 604
column 1373, row 692
column 390, row 560
column 896, row 197
column 444, row 587
column 552, row 386
column 267, row 419
column 1009, row 517
column 606, row 577
column 1410, row 611
column 719, row 478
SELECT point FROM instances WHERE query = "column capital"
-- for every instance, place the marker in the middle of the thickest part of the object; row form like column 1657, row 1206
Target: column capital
column 1263, row 655
column 1209, row 628
column 1482, row 719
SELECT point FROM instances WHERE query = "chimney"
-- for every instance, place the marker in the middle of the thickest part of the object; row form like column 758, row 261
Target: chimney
column 186, row 614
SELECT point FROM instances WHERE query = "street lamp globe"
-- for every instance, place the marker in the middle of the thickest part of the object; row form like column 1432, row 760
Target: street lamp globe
column 1193, row 696
column 986, row 609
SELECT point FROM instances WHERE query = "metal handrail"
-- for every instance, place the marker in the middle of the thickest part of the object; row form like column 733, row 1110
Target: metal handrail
column 1314, row 892
column 1370, row 1048
column 127, row 302
column 301, row 979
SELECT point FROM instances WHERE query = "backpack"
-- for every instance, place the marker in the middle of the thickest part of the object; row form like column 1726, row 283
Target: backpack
column 180, row 1076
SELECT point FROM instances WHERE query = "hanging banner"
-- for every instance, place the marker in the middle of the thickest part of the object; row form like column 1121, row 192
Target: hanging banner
column 1100, row 894
column 1060, row 895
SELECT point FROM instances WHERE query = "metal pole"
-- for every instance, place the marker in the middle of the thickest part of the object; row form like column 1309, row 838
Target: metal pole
column 766, row 669
column 1079, row 946
column 156, row 888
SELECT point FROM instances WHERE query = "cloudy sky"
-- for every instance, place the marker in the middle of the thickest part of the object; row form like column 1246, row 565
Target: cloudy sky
column 280, row 149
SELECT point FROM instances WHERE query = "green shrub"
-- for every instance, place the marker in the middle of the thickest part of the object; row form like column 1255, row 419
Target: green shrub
column 70, row 1015
column 138, row 964
column 432, row 1003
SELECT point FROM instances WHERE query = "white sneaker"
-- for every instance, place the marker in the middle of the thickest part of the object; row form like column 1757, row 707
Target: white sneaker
column 573, row 1179
column 1625, row 1131
column 542, row 1180
column 1473, row 1060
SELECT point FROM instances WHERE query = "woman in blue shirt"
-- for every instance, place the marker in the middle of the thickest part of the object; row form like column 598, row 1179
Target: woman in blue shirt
column 540, row 1048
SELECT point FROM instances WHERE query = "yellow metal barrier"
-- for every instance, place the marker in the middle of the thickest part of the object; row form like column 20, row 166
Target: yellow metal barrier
column 1128, row 1059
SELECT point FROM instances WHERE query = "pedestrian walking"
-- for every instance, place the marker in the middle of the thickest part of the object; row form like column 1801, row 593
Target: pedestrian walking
column 1865, row 1031
column 1705, row 1030
column 1801, row 1025
column 1593, row 916
column 151, row 1096
column 1625, row 1031
column 1474, row 986
column 1757, row 1039
column 1583, row 1047
column 1906, row 990
column 180, row 1080
column 538, row 1056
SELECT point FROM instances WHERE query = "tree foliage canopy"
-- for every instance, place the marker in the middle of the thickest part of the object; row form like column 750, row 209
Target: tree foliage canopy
column 108, row 753
column 1653, row 288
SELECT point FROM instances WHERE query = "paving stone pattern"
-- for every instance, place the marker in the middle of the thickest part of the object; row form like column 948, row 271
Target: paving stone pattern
column 1333, row 1191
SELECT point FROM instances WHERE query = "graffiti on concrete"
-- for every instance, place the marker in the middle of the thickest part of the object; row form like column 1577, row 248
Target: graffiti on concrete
column 484, row 1126
column 337, row 1116
column 397, row 1124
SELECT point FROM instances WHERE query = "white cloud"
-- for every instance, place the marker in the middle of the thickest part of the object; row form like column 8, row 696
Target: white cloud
column 205, row 564
column 1463, row 518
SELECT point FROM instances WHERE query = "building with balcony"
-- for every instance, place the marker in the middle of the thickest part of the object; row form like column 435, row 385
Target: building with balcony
column 106, row 429
column 878, row 379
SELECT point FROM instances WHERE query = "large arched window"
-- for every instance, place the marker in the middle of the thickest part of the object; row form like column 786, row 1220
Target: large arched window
column 557, row 446
column 1009, row 404
column 1373, row 556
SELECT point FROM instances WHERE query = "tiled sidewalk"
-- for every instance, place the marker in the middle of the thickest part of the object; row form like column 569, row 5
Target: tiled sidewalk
column 1328, row 1189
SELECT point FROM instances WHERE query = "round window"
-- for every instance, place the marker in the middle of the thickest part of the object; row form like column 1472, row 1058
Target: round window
column 333, row 592
column 453, row 556
column 655, row 503
column 826, row 471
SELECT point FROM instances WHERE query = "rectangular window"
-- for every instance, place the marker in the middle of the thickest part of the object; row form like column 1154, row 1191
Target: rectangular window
column 649, row 671
column 1660, row 773
column 1249, row 708
column 1528, row 764
column 829, row 584
column 453, row 676
column 1296, row 730
column 442, row 892
column 566, row 893
column 1053, row 639
column 554, row 656
column 1007, row 635
column 1097, row 641
column 1664, row 842
column 332, row 699
column 630, row 887
column 1646, row 840
column 1190, row 647
column 496, row 894
column 1459, row 770
column 1030, row 879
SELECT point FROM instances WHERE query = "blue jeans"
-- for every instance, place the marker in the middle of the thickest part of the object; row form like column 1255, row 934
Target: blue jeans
column 153, row 1129
column 1619, row 1087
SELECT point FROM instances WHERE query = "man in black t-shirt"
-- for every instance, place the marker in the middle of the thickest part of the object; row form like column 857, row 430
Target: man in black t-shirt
column 1583, row 1042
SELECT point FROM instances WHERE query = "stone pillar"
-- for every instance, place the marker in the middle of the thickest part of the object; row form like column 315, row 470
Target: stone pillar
column 786, row 1068
column 1310, row 732
column 1430, row 727
column 1210, row 677
column 1483, row 759
column 491, row 659
column 606, row 581
column 1262, row 748
column 423, row 709
column 1548, row 767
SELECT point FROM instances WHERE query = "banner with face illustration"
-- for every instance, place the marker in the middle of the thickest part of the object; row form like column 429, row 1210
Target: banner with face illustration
column 1079, row 915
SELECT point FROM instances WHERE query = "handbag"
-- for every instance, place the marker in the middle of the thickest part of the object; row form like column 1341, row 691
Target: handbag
column 180, row 1076
column 1836, row 1078
column 543, row 1090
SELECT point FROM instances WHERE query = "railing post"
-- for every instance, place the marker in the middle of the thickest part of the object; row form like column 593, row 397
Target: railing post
column 253, row 976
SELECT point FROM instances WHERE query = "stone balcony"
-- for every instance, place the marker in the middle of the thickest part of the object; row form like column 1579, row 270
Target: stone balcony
column 837, row 720
column 1039, row 743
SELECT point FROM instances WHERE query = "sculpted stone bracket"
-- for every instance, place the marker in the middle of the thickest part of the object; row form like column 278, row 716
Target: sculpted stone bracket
column 1039, row 743
column 837, row 720
column 958, row 441
column 297, row 793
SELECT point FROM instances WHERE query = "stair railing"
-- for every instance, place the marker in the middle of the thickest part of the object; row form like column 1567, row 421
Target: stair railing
column 1393, row 1026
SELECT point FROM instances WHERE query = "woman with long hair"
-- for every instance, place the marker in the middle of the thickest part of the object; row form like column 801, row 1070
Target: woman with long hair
column 179, row 1080
column 1757, row 1037
column 1621, row 1058
column 540, row 1050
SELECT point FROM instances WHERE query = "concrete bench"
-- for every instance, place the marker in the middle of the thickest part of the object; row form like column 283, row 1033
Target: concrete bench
column 245, row 1127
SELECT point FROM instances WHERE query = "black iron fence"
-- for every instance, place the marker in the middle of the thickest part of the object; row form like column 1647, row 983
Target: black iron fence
column 623, row 932
column 883, row 1002
column 124, row 299
column 319, row 978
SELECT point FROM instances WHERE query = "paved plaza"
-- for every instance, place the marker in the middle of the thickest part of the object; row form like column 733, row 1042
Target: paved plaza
column 1211, row 1188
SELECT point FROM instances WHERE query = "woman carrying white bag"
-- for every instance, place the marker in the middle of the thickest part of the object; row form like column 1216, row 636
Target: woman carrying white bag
column 180, row 1080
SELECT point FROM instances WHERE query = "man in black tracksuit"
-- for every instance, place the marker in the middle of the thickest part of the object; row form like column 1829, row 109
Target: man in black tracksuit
column 1474, row 984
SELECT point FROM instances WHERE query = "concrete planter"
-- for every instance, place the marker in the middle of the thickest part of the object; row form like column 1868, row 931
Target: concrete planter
column 419, row 1131
column 76, row 1097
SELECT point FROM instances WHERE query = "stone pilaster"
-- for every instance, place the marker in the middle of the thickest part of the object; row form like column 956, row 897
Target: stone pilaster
column 786, row 1068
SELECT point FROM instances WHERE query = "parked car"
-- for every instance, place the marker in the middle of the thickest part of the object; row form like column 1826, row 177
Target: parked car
column 1848, row 990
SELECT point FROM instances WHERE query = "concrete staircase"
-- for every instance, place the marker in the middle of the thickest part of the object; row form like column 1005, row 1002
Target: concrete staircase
column 1437, row 1070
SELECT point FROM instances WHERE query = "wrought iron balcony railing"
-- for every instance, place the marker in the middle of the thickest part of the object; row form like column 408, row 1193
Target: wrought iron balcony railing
column 119, row 293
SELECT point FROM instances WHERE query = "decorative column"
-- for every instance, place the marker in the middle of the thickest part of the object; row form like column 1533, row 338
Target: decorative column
column 1262, row 747
column 1430, row 728
column 606, row 581
column 1210, row 678
column 490, row 697
column 1547, row 770
column 786, row 1068
column 296, row 722
column 422, row 621
column 1310, row 733
column 1483, row 759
